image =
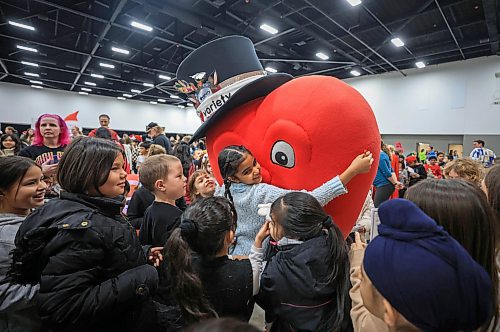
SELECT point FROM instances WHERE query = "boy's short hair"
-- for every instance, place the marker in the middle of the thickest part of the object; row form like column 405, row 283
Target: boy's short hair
column 155, row 168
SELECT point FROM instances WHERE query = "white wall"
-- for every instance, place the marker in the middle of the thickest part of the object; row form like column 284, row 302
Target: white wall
column 20, row 104
column 451, row 98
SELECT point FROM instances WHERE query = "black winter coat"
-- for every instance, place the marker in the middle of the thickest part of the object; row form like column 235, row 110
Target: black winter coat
column 294, row 292
column 92, row 270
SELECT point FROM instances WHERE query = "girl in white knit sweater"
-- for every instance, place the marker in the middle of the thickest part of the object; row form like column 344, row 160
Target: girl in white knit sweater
column 244, row 188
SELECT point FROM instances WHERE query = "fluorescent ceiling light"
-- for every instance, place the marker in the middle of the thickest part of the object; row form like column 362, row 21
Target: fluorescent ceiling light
column 36, row 82
column 181, row 106
column 190, row 104
column 141, row 26
column 398, row 42
column 37, row 87
column 90, row 83
column 174, row 97
column 25, row 48
column 149, row 85
column 106, row 65
column 86, row 89
column 420, row 64
column 121, row 98
column 127, row 95
column 268, row 28
column 31, row 74
column 354, row 2
column 20, row 25
column 83, row 93
column 161, row 100
column 164, row 77
column 97, row 75
column 120, row 50
column 271, row 70
column 135, row 91
column 322, row 56
column 153, row 102
column 32, row 64
column 355, row 73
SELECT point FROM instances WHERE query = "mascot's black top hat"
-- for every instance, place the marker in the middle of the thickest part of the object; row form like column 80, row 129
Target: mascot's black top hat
column 221, row 75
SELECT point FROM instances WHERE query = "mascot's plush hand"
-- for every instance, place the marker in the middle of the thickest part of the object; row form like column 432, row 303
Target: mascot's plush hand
column 304, row 133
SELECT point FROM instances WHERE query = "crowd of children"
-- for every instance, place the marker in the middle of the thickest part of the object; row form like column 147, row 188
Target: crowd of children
column 190, row 254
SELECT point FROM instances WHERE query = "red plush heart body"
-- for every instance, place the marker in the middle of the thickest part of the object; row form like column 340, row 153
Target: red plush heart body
column 303, row 134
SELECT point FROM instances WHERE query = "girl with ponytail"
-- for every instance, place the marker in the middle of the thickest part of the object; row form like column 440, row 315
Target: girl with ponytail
column 244, row 188
column 203, row 280
column 311, row 248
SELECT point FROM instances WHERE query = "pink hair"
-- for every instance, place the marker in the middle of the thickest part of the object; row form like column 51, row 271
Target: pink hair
column 64, row 137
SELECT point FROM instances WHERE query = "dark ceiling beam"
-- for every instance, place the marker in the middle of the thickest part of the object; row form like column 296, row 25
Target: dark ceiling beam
column 74, row 72
column 124, row 27
column 323, row 71
column 418, row 12
column 449, row 28
column 308, row 61
column 2, row 64
column 452, row 49
column 322, row 12
column 491, row 16
column 415, row 39
column 198, row 20
column 402, row 20
column 103, row 34
column 391, row 34
column 120, row 92
column 85, row 54
column 308, row 31
column 282, row 33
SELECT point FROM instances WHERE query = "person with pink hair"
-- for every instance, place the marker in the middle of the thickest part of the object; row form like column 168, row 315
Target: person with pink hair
column 51, row 138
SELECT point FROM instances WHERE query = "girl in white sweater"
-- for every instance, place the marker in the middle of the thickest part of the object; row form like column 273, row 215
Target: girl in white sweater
column 244, row 188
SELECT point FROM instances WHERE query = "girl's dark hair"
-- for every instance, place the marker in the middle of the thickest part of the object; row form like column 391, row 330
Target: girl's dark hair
column 16, row 140
column 203, row 229
column 103, row 132
column 463, row 211
column 492, row 183
column 302, row 218
column 222, row 325
column 229, row 160
column 86, row 164
column 182, row 151
column 13, row 169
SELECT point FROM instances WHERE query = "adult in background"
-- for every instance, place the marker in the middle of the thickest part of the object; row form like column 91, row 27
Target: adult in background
column 104, row 122
column 51, row 138
column 483, row 155
column 156, row 133
column 385, row 181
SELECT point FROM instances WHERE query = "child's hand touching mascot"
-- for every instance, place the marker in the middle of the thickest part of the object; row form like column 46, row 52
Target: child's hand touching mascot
column 302, row 131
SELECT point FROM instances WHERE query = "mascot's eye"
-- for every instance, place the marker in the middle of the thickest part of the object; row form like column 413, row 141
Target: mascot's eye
column 282, row 154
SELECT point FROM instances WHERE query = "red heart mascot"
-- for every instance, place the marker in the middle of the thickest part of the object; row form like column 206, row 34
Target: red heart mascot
column 302, row 131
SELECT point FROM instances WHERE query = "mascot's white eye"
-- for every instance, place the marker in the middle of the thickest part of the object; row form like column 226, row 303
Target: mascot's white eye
column 282, row 154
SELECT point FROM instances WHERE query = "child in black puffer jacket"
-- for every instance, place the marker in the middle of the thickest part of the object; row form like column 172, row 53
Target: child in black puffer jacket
column 92, row 270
